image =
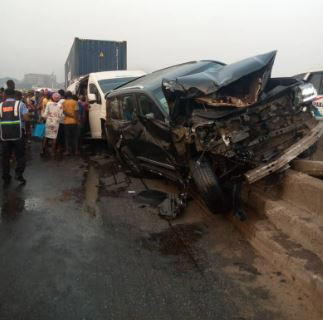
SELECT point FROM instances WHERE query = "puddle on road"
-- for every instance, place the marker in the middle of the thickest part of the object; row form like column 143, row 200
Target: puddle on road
column 87, row 195
column 102, row 177
column 113, row 179
column 91, row 191
column 76, row 194
column 178, row 241
column 174, row 240
column 12, row 204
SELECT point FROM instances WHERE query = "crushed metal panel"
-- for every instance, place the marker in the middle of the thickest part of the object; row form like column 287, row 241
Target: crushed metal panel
column 288, row 155
column 210, row 81
column 221, row 102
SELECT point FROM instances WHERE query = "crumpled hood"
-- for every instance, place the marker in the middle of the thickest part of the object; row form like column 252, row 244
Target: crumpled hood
column 214, row 79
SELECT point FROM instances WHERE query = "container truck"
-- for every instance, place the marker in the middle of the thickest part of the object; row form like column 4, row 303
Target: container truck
column 87, row 56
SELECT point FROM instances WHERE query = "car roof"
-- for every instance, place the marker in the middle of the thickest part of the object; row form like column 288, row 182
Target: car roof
column 153, row 80
column 117, row 74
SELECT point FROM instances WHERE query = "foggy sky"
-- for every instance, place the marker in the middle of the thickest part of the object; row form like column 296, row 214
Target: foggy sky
column 37, row 35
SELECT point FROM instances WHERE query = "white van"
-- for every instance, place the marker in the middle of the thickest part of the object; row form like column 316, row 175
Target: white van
column 95, row 86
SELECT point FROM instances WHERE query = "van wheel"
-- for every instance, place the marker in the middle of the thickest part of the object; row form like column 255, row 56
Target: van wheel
column 209, row 186
column 129, row 160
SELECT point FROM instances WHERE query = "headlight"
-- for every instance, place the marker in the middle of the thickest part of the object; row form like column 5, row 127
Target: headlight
column 305, row 93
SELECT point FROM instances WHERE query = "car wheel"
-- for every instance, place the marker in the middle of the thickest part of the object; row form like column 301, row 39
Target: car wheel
column 209, row 186
column 129, row 160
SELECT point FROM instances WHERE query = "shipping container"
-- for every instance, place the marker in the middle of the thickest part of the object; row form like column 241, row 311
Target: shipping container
column 88, row 56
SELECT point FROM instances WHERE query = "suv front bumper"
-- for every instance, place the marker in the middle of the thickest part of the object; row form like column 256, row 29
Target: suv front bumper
column 287, row 156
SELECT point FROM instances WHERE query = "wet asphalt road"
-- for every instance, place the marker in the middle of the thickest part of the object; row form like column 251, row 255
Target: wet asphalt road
column 75, row 245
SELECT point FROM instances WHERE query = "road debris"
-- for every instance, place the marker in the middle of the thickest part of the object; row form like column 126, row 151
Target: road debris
column 172, row 206
column 169, row 205
column 151, row 197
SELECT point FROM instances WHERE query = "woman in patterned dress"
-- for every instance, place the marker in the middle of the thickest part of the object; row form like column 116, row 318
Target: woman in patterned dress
column 53, row 114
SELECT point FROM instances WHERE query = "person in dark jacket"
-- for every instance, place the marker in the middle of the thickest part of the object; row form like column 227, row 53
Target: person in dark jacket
column 13, row 114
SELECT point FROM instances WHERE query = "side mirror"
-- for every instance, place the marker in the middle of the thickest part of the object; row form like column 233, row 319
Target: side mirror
column 92, row 98
column 149, row 116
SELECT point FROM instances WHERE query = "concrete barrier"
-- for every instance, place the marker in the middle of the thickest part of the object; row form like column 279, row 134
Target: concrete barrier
column 310, row 167
column 301, row 190
column 300, row 225
column 301, row 266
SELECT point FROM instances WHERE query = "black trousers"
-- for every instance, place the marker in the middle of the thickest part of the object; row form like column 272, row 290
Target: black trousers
column 61, row 137
column 71, row 137
column 18, row 147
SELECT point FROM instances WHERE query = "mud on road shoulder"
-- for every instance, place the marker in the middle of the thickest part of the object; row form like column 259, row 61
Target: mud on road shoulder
column 208, row 244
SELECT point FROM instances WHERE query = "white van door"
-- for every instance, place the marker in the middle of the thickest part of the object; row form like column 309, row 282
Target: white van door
column 95, row 112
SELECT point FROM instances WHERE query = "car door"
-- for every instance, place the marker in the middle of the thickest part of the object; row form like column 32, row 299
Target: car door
column 155, row 145
column 122, row 126
column 95, row 112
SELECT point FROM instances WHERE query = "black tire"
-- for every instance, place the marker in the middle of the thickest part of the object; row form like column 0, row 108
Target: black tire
column 209, row 186
column 130, row 161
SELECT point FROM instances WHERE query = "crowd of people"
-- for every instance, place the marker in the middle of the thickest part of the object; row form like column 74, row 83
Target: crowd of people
column 64, row 115
column 61, row 116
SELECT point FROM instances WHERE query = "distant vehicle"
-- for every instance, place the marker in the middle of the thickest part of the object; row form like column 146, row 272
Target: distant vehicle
column 316, row 78
column 95, row 86
column 212, row 124
column 87, row 55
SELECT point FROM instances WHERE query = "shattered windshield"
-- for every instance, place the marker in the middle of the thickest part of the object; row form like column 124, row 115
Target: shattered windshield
column 158, row 93
column 110, row 84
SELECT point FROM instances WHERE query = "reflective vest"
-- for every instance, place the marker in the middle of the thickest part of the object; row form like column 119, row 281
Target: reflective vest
column 10, row 121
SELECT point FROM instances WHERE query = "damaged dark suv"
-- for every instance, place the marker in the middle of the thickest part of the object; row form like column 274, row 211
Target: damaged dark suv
column 214, row 124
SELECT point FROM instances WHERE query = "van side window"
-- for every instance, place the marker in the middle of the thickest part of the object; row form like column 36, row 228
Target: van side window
column 127, row 106
column 148, row 108
column 94, row 90
column 114, row 108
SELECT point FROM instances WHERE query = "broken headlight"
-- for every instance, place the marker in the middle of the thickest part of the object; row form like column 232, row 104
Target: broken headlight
column 305, row 93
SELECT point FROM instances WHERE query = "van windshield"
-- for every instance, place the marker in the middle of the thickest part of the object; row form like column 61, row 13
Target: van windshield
column 110, row 84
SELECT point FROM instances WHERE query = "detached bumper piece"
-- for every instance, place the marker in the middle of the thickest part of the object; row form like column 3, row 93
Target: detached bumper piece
column 288, row 155
column 172, row 206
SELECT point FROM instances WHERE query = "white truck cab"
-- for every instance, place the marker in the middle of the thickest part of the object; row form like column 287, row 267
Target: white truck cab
column 95, row 86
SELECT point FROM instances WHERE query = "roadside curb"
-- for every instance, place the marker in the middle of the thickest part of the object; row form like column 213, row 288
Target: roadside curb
column 285, row 255
column 303, row 191
column 300, row 225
